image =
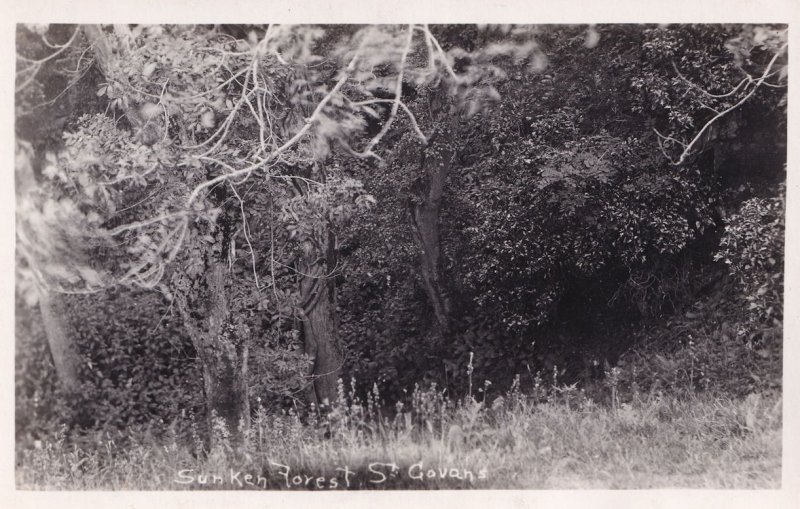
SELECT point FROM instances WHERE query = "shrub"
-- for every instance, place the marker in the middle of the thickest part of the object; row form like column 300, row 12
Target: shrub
column 753, row 249
column 139, row 366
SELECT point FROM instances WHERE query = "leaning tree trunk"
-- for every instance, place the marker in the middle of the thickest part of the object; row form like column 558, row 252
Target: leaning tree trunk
column 64, row 351
column 319, row 325
column 425, row 210
column 221, row 348
column 60, row 338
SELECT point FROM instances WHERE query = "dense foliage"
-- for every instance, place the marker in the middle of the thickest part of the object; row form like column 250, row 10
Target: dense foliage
column 137, row 371
column 516, row 199
column 564, row 221
column 753, row 246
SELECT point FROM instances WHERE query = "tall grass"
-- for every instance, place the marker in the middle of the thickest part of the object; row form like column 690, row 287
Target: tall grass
column 563, row 440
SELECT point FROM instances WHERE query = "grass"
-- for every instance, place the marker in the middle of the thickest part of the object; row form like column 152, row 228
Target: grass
column 563, row 441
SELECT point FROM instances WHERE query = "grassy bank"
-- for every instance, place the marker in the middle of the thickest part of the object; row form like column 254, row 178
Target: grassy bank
column 564, row 442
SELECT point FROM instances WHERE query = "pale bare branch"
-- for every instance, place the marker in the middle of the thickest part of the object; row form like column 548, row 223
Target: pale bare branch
column 443, row 56
column 345, row 75
column 398, row 93
column 691, row 84
column 405, row 107
column 141, row 224
column 750, row 82
column 51, row 56
column 245, row 230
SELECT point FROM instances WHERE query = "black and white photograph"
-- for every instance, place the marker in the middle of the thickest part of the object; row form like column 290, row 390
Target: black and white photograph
column 337, row 256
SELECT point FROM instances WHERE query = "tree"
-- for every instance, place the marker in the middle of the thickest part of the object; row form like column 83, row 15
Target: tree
column 195, row 114
column 232, row 168
column 560, row 216
column 63, row 350
column 51, row 253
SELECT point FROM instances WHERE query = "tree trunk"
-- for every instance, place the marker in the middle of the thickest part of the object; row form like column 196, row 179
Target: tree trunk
column 320, row 327
column 203, row 303
column 435, row 165
column 221, row 348
column 64, row 351
column 66, row 358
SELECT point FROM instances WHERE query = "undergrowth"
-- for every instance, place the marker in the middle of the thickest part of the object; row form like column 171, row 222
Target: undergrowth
column 565, row 440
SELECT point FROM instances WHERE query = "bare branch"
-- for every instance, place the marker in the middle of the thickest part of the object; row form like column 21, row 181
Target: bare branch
column 51, row 56
column 147, row 267
column 756, row 84
column 245, row 230
column 683, row 78
column 403, row 105
column 668, row 138
column 229, row 119
column 71, row 83
column 272, row 251
column 706, row 106
column 398, row 93
column 443, row 56
column 147, row 222
column 345, row 75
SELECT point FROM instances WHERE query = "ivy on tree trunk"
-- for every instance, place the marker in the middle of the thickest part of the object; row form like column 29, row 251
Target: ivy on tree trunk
column 221, row 347
column 320, row 324
column 437, row 158
column 64, row 351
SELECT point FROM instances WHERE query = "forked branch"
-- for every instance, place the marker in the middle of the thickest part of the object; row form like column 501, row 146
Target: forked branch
column 753, row 84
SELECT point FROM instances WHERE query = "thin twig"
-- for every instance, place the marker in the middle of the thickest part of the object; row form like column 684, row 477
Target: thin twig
column 245, row 229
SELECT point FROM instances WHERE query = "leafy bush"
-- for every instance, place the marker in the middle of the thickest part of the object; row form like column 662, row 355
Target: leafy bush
column 139, row 366
column 753, row 249
column 561, row 214
column 39, row 407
